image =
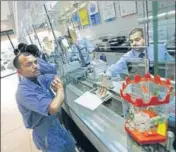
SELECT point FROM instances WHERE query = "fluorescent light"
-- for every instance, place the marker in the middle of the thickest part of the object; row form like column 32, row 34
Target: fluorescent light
column 159, row 16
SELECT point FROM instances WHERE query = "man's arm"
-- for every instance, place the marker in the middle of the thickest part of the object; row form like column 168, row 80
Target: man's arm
column 90, row 47
column 40, row 102
column 46, row 68
column 56, row 103
column 168, row 57
column 119, row 67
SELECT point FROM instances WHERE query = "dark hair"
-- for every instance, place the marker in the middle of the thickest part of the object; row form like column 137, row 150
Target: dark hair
column 22, row 47
column 16, row 62
column 137, row 30
column 33, row 49
column 16, row 51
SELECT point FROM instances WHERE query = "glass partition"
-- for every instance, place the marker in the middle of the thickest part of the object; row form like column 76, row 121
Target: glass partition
column 158, row 19
column 7, row 56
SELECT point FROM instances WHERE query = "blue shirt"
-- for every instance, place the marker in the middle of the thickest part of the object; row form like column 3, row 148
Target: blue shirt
column 46, row 67
column 86, row 48
column 121, row 65
column 33, row 102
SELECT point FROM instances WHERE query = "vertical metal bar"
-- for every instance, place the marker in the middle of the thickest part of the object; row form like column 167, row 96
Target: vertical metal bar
column 147, row 24
column 155, row 35
column 10, row 40
column 29, row 36
column 37, row 36
column 50, row 24
column 61, row 55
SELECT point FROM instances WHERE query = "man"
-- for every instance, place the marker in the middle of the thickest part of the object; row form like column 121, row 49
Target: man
column 22, row 47
column 80, row 49
column 16, row 52
column 33, row 49
column 137, row 42
column 38, row 105
column 45, row 67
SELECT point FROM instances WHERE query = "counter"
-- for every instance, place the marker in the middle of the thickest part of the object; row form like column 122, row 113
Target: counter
column 103, row 127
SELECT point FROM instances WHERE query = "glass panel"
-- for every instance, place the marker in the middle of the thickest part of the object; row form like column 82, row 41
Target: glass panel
column 7, row 56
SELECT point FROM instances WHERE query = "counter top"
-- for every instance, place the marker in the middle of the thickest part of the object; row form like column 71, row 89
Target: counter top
column 107, row 126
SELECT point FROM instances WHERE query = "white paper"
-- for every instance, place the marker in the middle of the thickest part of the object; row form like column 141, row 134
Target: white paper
column 89, row 100
column 107, row 9
column 127, row 8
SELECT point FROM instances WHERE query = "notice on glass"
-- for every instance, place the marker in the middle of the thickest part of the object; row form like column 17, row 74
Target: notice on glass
column 89, row 100
column 84, row 18
column 107, row 9
column 127, row 8
column 93, row 7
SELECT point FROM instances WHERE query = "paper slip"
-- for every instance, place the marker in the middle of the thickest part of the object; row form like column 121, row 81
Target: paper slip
column 89, row 100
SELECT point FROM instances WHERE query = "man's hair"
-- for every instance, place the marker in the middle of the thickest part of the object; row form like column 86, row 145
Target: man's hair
column 16, row 62
column 33, row 49
column 22, row 47
column 16, row 51
column 137, row 30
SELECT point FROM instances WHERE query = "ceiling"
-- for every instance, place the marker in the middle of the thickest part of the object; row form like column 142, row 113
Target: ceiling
column 24, row 14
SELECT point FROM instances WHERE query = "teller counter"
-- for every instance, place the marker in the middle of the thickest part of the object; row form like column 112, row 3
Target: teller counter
column 103, row 127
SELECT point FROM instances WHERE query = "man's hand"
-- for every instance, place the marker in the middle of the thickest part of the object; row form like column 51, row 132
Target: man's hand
column 57, row 84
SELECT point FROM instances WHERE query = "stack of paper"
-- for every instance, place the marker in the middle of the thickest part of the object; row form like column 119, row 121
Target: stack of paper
column 89, row 100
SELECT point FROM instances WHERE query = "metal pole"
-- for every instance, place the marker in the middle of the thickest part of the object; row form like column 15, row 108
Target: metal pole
column 155, row 35
column 62, row 70
column 37, row 36
column 52, row 29
column 10, row 40
column 50, row 23
column 29, row 36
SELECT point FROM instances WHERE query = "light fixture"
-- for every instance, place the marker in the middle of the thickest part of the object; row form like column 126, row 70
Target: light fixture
column 161, row 16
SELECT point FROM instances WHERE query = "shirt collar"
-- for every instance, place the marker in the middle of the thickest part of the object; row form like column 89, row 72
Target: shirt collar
column 28, row 82
column 136, row 53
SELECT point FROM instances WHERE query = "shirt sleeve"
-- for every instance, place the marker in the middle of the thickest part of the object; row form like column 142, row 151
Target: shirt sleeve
column 119, row 67
column 168, row 57
column 46, row 67
column 90, row 47
column 164, row 53
column 36, row 102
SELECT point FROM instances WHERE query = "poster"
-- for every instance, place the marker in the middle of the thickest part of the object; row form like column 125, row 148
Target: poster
column 93, row 7
column 76, row 21
column 107, row 9
column 127, row 8
column 83, row 15
column 95, row 19
column 93, row 12
column 75, row 17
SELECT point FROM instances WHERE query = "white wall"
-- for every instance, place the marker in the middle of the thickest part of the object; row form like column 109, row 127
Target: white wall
column 120, row 26
column 4, row 10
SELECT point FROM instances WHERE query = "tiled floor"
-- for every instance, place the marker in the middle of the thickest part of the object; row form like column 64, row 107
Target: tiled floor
column 14, row 136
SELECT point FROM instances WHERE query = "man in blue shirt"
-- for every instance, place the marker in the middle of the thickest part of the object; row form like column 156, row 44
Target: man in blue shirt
column 38, row 105
column 80, row 48
column 137, row 42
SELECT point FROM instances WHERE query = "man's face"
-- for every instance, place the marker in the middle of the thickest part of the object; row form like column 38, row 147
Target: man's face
column 29, row 66
column 136, row 41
